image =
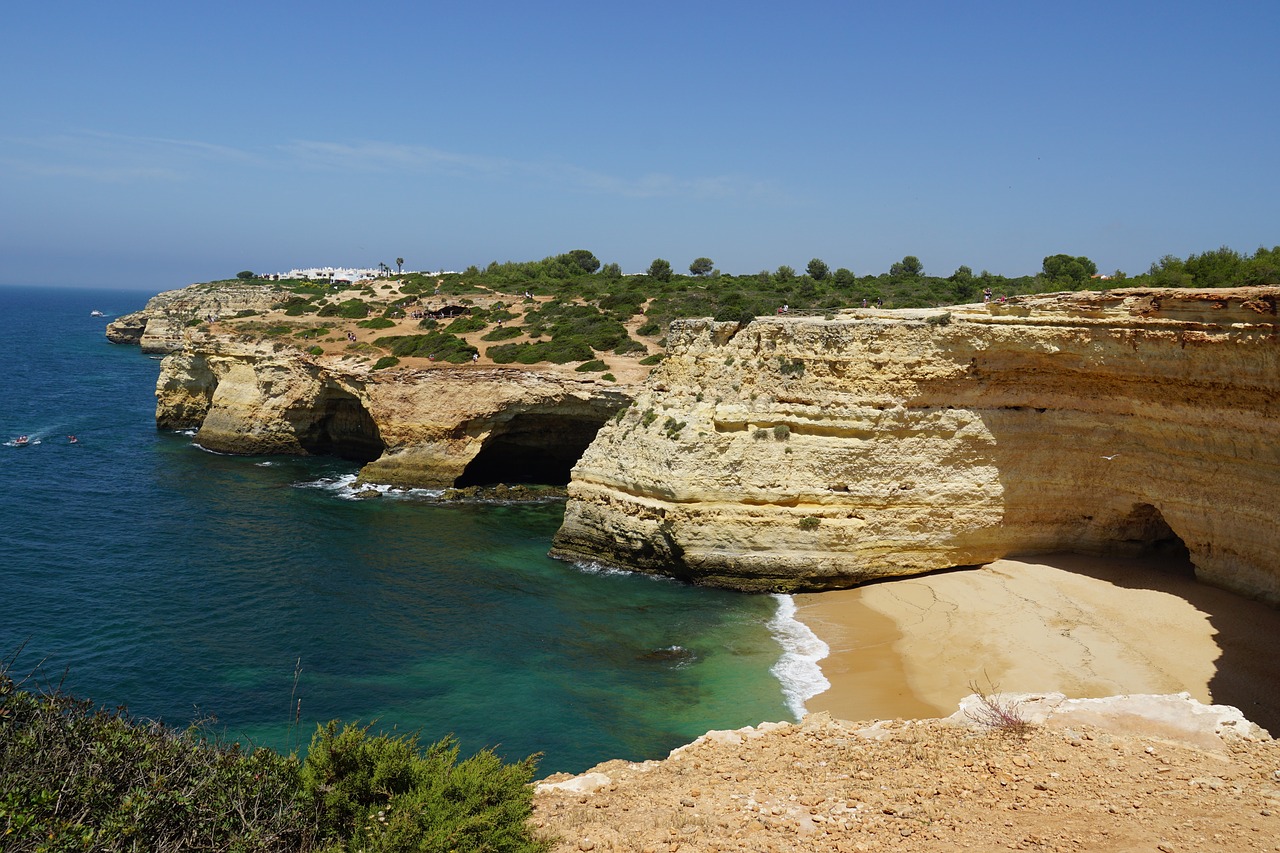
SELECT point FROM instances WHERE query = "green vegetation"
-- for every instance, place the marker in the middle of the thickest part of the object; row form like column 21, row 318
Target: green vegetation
column 575, row 309
column 503, row 333
column 441, row 346
column 77, row 777
column 385, row 362
column 593, row 366
column 809, row 522
column 376, row 323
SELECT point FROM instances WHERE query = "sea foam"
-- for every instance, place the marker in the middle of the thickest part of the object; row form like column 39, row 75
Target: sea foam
column 797, row 669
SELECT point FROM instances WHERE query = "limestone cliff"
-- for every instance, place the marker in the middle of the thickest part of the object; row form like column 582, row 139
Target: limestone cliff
column 159, row 326
column 810, row 452
column 434, row 427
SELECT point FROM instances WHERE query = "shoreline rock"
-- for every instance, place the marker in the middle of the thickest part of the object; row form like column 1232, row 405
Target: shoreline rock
column 803, row 453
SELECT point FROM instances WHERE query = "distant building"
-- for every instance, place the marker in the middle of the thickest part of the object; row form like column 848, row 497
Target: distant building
column 330, row 274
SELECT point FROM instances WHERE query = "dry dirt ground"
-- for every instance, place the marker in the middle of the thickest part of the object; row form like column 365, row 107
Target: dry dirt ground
column 827, row 785
column 625, row 368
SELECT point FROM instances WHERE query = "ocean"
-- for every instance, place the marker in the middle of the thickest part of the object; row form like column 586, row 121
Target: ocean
column 258, row 593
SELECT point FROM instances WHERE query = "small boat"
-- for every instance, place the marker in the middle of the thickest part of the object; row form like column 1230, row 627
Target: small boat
column 21, row 441
column 96, row 313
column 71, row 439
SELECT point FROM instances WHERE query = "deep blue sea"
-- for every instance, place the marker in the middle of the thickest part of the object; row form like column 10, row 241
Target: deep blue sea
column 186, row 584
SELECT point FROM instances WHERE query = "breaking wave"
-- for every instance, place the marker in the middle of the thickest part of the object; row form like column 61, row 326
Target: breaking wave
column 797, row 669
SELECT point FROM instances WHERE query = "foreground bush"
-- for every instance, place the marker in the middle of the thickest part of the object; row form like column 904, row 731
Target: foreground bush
column 78, row 778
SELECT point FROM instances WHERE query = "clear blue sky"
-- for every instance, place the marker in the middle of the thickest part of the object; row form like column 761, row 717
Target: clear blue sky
column 157, row 144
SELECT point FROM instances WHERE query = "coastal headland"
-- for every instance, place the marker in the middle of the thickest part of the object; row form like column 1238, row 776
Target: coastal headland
column 820, row 452
column 1088, row 457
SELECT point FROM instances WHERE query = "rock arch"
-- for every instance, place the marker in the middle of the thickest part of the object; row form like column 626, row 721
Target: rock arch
column 339, row 425
column 533, row 447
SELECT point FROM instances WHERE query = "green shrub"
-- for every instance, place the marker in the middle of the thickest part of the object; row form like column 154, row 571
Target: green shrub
column 385, row 793
column 629, row 345
column 385, row 362
column 76, row 777
column 556, row 352
column 440, row 345
column 791, row 367
column 650, row 329
column 503, row 333
column 609, row 377
column 648, row 417
column 781, row 432
column 247, row 312
column 316, row 350
column 376, row 323
column 466, row 324
column 809, row 522
column 351, row 309
column 593, row 366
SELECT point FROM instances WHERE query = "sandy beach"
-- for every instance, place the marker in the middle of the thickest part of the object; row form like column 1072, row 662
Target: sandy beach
column 1084, row 626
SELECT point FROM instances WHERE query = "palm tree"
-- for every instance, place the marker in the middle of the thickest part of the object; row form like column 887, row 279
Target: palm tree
column 399, row 264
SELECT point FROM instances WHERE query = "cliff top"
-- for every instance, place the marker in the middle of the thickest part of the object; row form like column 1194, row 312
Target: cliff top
column 1069, row 782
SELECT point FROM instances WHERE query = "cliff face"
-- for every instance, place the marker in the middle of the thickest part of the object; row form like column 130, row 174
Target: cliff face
column 427, row 428
column 159, row 326
column 810, row 453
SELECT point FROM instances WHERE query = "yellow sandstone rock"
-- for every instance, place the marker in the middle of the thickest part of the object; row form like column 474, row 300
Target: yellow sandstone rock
column 811, row 453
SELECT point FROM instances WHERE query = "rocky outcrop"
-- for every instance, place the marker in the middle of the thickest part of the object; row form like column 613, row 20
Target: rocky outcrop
column 436, row 427
column 1123, row 773
column 159, row 327
column 819, row 452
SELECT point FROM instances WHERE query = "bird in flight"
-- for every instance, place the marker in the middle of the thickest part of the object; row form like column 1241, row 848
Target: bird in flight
column 1112, row 456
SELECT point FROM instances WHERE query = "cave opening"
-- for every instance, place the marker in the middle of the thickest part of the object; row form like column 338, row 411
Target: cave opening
column 342, row 428
column 531, row 448
column 1145, row 532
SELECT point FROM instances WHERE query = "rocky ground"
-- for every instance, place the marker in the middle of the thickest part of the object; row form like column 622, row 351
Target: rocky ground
column 828, row 785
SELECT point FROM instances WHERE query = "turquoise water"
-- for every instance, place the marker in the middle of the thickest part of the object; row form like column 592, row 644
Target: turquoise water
column 183, row 583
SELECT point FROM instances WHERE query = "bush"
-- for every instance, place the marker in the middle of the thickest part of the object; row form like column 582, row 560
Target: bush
column 376, row 323
column 503, row 333
column 556, row 352
column 351, row 309
column 75, row 777
column 316, row 350
column 809, row 522
column 793, row 367
column 385, row 793
column 652, row 359
column 781, row 432
column 593, row 366
column 466, row 324
column 609, row 377
column 440, row 345
column 385, row 362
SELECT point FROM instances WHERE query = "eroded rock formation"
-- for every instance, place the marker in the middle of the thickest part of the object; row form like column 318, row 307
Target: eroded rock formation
column 159, row 326
column 810, row 453
column 436, row 427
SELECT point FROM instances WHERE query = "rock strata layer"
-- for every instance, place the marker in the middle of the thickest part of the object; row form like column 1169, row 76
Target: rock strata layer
column 820, row 452
column 431, row 428
column 159, row 327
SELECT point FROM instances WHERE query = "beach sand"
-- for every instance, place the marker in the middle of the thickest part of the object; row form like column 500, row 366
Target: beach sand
column 1083, row 626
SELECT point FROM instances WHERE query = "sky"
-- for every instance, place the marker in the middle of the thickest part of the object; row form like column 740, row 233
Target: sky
column 151, row 145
